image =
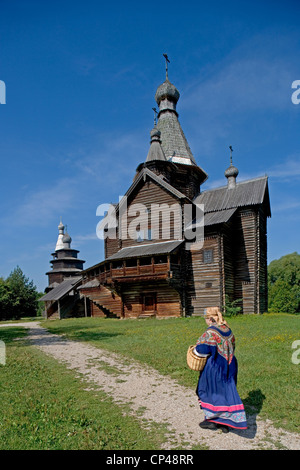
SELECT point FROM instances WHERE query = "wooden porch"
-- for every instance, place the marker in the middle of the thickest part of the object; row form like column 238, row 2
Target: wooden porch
column 110, row 284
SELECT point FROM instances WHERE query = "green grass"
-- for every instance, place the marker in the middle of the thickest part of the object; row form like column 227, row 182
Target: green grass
column 44, row 406
column 268, row 381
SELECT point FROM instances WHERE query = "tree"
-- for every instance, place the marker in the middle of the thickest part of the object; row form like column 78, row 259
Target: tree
column 5, row 300
column 284, row 284
column 18, row 296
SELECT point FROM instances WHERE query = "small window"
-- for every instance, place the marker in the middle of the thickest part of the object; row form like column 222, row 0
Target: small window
column 207, row 256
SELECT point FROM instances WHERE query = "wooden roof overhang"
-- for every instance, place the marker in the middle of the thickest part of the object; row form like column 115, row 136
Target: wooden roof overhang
column 140, row 251
column 63, row 289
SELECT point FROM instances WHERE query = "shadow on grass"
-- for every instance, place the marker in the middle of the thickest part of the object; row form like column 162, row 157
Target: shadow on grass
column 253, row 405
column 83, row 333
column 10, row 335
column 47, row 337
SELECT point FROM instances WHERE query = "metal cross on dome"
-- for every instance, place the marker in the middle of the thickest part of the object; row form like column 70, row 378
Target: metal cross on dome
column 167, row 61
column 231, row 150
column 155, row 115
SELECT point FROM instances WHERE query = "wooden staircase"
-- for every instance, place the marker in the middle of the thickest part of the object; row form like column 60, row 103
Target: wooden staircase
column 109, row 301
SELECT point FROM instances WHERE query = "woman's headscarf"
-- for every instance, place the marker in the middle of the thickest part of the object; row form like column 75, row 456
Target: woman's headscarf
column 216, row 314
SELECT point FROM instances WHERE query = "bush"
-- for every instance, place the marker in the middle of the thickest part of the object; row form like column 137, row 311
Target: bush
column 231, row 309
column 284, row 284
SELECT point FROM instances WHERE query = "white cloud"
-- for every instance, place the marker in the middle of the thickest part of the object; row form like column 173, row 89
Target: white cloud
column 286, row 171
column 44, row 204
column 243, row 92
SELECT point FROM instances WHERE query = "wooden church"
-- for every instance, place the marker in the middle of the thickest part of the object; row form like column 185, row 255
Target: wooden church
column 154, row 272
column 62, row 298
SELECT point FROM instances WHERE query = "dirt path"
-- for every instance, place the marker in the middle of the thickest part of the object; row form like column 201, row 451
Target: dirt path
column 155, row 398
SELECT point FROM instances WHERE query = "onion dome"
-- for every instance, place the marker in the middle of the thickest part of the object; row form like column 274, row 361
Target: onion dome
column 67, row 238
column 59, row 243
column 231, row 172
column 167, row 91
column 155, row 151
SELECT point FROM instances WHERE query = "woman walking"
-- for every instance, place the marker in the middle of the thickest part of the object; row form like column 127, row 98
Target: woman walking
column 216, row 389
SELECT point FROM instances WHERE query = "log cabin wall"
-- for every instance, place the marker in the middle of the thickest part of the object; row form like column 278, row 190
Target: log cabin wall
column 55, row 277
column 167, row 300
column 186, row 181
column 245, row 259
column 111, row 245
column 263, row 264
column 150, row 193
column 204, row 285
column 228, row 251
column 96, row 311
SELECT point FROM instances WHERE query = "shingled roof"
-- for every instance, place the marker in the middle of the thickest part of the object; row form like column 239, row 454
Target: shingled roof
column 245, row 193
column 146, row 250
column 62, row 289
column 173, row 140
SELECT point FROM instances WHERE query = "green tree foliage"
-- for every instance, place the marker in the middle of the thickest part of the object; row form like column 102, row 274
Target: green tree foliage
column 284, row 284
column 18, row 296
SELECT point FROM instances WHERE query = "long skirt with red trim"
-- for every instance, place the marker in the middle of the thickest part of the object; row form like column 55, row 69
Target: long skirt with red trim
column 217, row 393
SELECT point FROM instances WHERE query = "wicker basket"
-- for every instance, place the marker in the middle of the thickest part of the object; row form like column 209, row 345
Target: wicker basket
column 195, row 362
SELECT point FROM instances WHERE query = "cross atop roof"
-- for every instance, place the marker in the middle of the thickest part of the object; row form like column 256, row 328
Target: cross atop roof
column 231, row 150
column 167, row 61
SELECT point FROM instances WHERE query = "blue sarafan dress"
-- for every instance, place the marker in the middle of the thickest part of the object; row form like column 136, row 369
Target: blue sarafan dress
column 216, row 387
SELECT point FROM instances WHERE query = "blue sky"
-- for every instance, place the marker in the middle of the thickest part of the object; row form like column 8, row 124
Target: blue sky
column 80, row 83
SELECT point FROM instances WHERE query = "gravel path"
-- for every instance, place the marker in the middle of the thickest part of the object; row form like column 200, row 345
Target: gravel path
column 155, row 398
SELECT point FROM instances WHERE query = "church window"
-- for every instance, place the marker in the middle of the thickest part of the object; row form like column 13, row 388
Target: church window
column 207, row 256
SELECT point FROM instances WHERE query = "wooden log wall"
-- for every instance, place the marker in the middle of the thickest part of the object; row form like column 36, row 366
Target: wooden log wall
column 103, row 297
column 55, row 277
column 228, row 256
column 186, row 181
column 168, row 302
column 95, row 310
column 149, row 193
column 245, row 257
column 203, row 287
column 262, row 288
column 111, row 246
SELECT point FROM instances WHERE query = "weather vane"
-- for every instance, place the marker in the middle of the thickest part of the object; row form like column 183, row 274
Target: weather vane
column 231, row 150
column 167, row 61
